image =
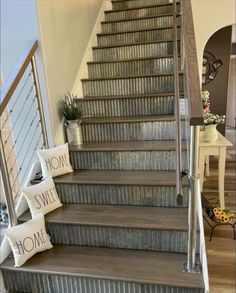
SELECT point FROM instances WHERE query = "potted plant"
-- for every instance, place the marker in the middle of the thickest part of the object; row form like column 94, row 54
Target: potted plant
column 211, row 121
column 72, row 115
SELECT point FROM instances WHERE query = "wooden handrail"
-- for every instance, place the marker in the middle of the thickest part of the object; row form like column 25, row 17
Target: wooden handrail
column 14, row 79
column 191, row 65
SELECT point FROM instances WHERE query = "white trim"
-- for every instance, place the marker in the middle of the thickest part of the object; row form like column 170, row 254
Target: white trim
column 59, row 136
column 88, row 55
column 202, row 244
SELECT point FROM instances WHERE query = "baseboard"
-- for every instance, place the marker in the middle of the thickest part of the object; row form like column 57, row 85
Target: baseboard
column 88, row 55
column 60, row 135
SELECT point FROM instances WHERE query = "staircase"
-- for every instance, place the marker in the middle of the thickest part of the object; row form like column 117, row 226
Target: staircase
column 120, row 229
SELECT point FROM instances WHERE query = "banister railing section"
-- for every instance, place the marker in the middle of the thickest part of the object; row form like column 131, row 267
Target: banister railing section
column 23, row 127
column 177, row 109
column 182, row 14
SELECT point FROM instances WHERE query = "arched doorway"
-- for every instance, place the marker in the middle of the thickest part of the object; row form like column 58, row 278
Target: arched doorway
column 216, row 71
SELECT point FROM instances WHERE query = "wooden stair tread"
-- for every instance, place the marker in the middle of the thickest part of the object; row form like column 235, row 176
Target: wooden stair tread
column 126, row 146
column 136, row 217
column 127, row 97
column 129, row 76
column 115, row 1
column 136, row 18
column 129, row 60
column 109, row 177
column 137, row 8
column 128, row 119
column 135, row 30
column 132, row 44
column 115, row 264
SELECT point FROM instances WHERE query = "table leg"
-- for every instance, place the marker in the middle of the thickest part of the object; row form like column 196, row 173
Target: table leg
column 221, row 176
column 207, row 166
column 201, row 166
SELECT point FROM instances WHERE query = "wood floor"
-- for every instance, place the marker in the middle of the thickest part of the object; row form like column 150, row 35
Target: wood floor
column 222, row 249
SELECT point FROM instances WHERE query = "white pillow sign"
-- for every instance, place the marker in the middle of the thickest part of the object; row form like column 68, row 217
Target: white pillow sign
column 28, row 239
column 55, row 161
column 42, row 197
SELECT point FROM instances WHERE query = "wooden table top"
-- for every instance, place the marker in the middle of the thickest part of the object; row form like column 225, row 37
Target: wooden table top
column 221, row 141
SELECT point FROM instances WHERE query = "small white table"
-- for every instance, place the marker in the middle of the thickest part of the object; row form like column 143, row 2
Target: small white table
column 217, row 148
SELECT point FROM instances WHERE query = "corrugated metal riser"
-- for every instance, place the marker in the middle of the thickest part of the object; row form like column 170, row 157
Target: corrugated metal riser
column 47, row 283
column 136, row 37
column 131, row 68
column 126, row 160
column 141, row 12
column 143, row 239
column 129, row 25
column 130, row 86
column 134, row 51
column 137, row 3
column 130, row 131
column 158, row 196
column 125, row 107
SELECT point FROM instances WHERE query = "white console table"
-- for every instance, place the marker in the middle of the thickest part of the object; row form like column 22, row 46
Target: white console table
column 217, row 148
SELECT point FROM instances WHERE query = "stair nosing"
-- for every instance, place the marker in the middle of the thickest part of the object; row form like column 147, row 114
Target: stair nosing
column 136, row 18
column 132, row 44
column 120, row 1
column 134, row 146
column 134, row 212
column 128, row 119
column 130, row 60
column 136, row 31
column 138, row 8
column 138, row 96
column 90, row 177
column 129, row 76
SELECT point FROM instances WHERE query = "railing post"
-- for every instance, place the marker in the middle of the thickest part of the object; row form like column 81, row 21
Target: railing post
column 182, row 48
column 177, row 111
column 7, row 186
column 39, row 101
column 191, row 265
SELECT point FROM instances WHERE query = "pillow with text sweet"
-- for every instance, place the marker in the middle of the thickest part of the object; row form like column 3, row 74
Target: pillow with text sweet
column 42, row 197
column 55, row 161
column 27, row 239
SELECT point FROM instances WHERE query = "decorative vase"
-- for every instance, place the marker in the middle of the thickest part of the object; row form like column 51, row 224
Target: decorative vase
column 74, row 132
column 210, row 134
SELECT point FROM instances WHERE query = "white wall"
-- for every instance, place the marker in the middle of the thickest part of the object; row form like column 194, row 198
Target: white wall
column 19, row 28
column 65, row 29
column 209, row 16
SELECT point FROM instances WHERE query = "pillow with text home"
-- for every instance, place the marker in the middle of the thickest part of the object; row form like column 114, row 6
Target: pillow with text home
column 55, row 161
column 27, row 239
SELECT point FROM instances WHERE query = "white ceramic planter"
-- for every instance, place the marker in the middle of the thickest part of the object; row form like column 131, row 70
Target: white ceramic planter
column 210, row 133
column 74, row 132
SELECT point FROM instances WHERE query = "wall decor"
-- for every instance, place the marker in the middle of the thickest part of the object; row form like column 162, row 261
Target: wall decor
column 210, row 67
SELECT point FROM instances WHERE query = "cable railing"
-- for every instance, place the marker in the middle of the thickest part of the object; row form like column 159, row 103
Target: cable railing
column 23, row 128
column 193, row 119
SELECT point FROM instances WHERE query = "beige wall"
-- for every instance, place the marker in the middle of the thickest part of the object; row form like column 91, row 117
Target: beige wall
column 209, row 16
column 65, row 29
